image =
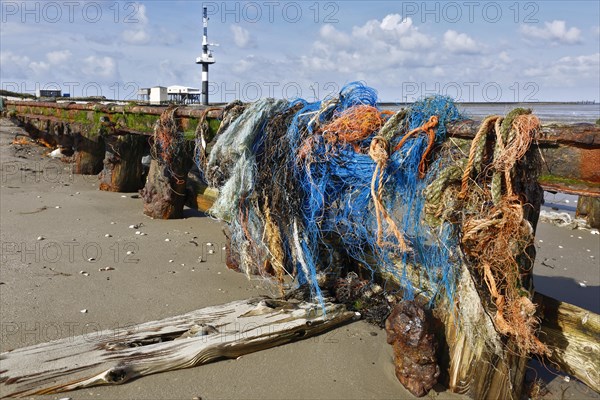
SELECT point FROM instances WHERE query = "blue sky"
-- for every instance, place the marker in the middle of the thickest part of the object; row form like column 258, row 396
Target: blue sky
column 471, row 50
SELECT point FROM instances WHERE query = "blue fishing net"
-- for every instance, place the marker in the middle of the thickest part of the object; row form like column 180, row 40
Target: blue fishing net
column 330, row 188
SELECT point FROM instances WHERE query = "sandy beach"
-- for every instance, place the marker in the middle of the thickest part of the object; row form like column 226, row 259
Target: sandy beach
column 58, row 231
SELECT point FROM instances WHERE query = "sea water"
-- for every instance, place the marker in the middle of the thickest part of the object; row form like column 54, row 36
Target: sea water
column 547, row 112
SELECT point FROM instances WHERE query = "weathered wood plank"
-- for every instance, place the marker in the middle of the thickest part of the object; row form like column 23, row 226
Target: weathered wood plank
column 573, row 335
column 202, row 196
column 580, row 135
column 195, row 338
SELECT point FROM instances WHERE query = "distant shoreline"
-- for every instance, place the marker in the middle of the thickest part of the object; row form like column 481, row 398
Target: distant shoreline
column 506, row 103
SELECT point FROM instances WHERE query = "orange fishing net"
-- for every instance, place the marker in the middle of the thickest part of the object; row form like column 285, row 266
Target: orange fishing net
column 355, row 124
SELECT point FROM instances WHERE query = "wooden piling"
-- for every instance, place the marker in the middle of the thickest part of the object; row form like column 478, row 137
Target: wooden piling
column 165, row 190
column 123, row 170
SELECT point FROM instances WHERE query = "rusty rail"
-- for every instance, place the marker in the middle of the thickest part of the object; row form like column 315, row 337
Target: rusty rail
column 186, row 111
column 571, row 151
column 582, row 135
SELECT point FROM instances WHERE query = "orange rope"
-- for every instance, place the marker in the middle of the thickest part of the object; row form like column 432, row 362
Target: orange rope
column 378, row 151
column 428, row 128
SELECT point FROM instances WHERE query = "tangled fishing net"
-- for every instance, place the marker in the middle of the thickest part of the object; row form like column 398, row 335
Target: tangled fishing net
column 320, row 190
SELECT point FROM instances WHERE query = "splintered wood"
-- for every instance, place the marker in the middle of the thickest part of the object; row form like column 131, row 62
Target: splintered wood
column 196, row 338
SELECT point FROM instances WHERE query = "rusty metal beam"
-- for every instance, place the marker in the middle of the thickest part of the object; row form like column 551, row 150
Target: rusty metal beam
column 570, row 151
column 578, row 135
column 184, row 111
column 583, row 135
column 571, row 155
column 580, row 190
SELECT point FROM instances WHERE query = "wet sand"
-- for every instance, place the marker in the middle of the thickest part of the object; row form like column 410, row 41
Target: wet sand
column 42, row 289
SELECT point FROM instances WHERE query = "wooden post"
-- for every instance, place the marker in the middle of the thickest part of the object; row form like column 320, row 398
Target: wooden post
column 123, row 170
column 89, row 155
column 165, row 190
column 483, row 365
column 589, row 207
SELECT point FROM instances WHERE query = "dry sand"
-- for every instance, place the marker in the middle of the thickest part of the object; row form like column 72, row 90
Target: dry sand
column 42, row 290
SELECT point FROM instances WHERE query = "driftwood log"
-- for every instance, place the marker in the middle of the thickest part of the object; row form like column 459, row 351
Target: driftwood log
column 196, row 338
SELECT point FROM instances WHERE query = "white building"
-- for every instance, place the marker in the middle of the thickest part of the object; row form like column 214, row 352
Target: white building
column 144, row 94
column 183, row 94
column 177, row 94
column 158, row 95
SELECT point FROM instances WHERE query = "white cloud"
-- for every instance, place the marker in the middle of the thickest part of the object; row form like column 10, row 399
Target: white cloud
column 504, row 57
column 375, row 46
column 242, row 37
column 554, row 32
column 169, row 73
column 103, row 67
column 439, row 72
column 167, row 37
column 58, row 57
column 140, row 14
column 13, row 66
column 243, row 65
column 14, row 28
column 139, row 34
column 569, row 70
column 39, row 67
column 460, row 43
column 8, row 57
column 332, row 35
column 393, row 28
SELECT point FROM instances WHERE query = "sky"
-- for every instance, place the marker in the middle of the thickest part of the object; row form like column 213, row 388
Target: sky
column 470, row 50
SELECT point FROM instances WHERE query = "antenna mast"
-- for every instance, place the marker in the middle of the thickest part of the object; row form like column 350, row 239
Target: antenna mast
column 205, row 59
